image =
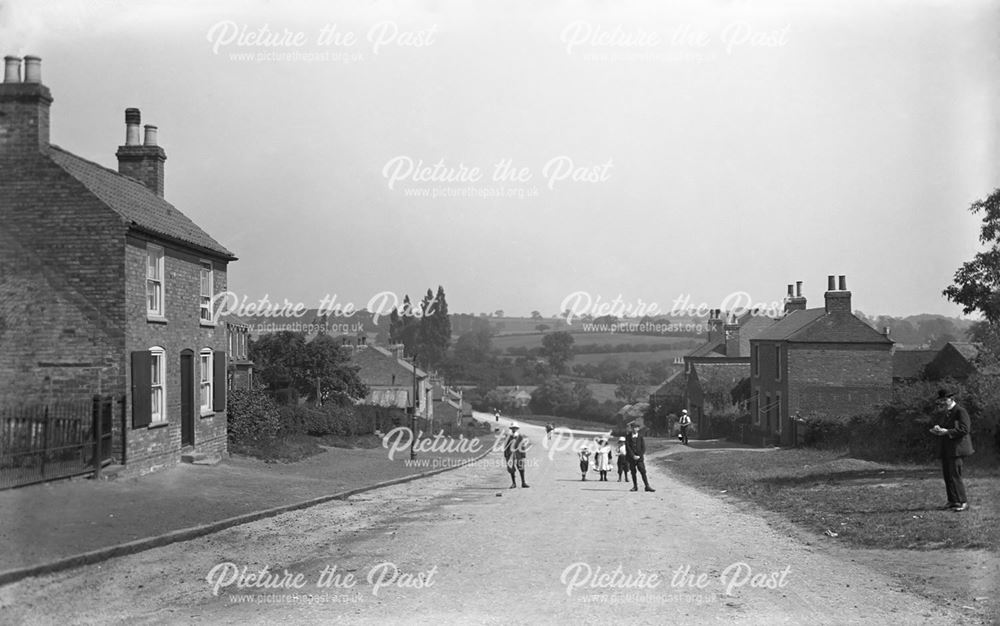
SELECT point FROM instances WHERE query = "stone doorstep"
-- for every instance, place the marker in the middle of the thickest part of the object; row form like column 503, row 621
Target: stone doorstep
column 200, row 458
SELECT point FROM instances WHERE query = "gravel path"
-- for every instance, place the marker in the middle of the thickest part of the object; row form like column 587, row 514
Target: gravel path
column 466, row 549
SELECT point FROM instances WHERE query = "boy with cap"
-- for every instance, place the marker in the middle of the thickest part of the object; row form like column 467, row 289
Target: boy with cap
column 635, row 447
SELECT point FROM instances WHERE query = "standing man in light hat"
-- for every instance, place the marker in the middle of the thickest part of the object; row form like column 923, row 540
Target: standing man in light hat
column 635, row 447
column 684, row 421
column 515, row 448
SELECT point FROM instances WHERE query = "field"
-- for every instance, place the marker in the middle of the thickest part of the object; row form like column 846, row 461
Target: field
column 628, row 357
column 534, row 340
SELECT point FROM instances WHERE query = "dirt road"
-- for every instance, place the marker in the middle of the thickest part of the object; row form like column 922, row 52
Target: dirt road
column 462, row 547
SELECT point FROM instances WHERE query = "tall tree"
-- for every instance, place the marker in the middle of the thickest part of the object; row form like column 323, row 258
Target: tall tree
column 317, row 369
column 435, row 328
column 557, row 347
column 977, row 282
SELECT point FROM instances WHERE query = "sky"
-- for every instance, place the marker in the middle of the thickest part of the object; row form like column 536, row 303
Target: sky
column 519, row 152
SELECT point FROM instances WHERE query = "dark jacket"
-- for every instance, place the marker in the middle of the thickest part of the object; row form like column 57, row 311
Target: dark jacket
column 634, row 446
column 958, row 441
column 516, row 446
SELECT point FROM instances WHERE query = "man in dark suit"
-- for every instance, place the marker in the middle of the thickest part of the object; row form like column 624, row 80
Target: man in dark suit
column 635, row 449
column 514, row 450
column 953, row 431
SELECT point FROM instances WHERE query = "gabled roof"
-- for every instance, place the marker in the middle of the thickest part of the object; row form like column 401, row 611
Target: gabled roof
column 910, row 364
column 136, row 203
column 379, row 366
column 710, row 348
column 815, row 325
column 671, row 386
column 967, row 349
column 732, row 372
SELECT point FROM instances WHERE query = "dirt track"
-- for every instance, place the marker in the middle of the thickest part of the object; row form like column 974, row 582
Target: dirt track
column 466, row 549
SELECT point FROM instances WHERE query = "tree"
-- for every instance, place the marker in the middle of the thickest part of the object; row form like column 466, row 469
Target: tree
column 631, row 387
column 557, row 347
column 435, row 329
column 542, row 328
column 318, row 369
column 977, row 282
column 536, row 315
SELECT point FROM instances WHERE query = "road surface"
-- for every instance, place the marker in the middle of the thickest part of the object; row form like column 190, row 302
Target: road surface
column 461, row 547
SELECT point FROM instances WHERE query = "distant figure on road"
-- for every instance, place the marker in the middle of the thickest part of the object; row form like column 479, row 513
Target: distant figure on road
column 584, row 462
column 622, row 460
column 684, row 421
column 515, row 448
column 952, row 429
column 635, row 447
column 496, row 414
column 602, row 458
column 548, row 430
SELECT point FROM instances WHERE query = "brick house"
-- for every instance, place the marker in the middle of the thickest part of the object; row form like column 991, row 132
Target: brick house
column 240, row 369
column 817, row 362
column 723, row 357
column 106, row 286
column 389, row 378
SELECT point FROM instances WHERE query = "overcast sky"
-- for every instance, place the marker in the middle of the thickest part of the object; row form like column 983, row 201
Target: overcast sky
column 694, row 149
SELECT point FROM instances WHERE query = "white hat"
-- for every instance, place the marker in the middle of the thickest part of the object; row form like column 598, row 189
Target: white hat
column 684, row 410
column 514, row 425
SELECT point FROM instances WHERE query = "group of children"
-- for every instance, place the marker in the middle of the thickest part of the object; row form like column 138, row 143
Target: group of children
column 602, row 459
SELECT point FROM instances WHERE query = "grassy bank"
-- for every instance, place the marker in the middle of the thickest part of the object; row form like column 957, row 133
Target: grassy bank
column 860, row 502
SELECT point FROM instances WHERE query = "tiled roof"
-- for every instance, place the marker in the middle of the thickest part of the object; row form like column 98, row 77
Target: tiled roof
column 815, row 325
column 967, row 349
column 911, row 363
column 751, row 326
column 731, row 372
column 378, row 366
column 135, row 202
column 710, row 348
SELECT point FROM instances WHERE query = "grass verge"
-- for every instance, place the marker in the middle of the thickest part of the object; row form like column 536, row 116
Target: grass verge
column 863, row 503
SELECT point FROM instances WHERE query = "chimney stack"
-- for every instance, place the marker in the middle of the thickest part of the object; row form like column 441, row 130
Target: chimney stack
column 732, row 331
column 24, row 108
column 838, row 298
column 714, row 325
column 795, row 301
column 142, row 162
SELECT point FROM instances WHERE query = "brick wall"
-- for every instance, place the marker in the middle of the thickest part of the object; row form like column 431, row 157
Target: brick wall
column 839, row 381
column 61, row 327
column 157, row 446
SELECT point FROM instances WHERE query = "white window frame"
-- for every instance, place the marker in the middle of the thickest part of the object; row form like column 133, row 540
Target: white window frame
column 158, row 385
column 205, row 299
column 206, row 392
column 777, row 407
column 156, row 281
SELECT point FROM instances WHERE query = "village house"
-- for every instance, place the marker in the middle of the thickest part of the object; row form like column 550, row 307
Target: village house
column 390, row 379
column 821, row 362
column 107, row 286
column 240, row 371
column 715, row 368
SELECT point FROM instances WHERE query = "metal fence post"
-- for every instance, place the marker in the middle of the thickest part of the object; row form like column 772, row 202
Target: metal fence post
column 98, row 431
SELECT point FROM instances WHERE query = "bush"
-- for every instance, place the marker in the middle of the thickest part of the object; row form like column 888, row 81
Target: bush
column 342, row 421
column 826, row 433
column 252, row 416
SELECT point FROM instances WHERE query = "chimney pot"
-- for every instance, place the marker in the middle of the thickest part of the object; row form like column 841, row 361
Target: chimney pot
column 12, row 69
column 790, row 292
column 798, row 288
column 885, row 331
column 132, row 120
column 150, row 137
column 32, row 69
column 831, row 283
column 843, row 283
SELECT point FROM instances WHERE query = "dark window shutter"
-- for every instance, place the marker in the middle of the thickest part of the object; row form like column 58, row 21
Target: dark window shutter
column 142, row 413
column 219, row 381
